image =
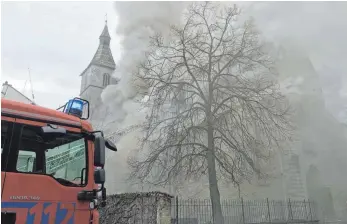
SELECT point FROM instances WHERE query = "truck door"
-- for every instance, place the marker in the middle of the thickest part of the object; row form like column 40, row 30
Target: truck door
column 45, row 177
column 6, row 138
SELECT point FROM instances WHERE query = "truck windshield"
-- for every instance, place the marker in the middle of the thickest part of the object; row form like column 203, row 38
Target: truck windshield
column 64, row 158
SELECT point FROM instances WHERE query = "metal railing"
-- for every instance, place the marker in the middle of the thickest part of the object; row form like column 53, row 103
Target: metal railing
column 149, row 209
column 244, row 211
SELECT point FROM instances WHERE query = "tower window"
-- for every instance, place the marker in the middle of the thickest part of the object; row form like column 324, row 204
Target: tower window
column 106, row 79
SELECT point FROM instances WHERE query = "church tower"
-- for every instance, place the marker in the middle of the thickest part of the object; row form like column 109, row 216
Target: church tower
column 98, row 73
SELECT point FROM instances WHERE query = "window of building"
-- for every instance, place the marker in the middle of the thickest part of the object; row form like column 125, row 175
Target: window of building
column 106, row 79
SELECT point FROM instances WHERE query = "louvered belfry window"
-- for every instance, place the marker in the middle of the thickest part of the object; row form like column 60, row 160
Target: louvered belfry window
column 106, row 79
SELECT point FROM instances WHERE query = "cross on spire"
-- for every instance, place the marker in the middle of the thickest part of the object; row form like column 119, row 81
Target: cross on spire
column 106, row 18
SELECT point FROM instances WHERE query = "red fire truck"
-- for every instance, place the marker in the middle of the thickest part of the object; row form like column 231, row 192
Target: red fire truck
column 52, row 164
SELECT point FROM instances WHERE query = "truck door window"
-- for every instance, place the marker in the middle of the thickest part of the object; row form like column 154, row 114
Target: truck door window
column 6, row 134
column 68, row 161
column 63, row 158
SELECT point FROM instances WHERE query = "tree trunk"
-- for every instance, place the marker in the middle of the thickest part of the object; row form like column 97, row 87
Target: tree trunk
column 213, row 183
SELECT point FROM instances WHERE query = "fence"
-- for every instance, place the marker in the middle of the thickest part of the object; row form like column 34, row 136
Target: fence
column 161, row 208
column 244, row 211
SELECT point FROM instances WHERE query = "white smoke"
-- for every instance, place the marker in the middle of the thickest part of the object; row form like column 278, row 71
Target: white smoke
column 137, row 22
column 312, row 37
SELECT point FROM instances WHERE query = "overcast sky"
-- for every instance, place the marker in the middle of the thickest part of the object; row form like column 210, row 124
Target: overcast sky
column 58, row 40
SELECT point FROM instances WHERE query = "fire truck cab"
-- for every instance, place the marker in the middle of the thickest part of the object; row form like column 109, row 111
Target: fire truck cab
column 52, row 165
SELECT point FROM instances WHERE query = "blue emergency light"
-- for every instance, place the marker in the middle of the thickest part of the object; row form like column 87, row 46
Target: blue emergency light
column 74, row 107
column 77, row 107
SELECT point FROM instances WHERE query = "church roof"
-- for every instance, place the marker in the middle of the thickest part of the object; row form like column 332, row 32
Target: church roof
column 103, row 55
column 105, row 32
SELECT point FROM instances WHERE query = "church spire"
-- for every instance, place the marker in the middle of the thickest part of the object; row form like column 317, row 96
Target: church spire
column 103, row 55
column 105, row 35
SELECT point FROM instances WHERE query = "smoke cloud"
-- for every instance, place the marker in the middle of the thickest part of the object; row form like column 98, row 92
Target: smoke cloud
column 309, row 38
column 137, row 21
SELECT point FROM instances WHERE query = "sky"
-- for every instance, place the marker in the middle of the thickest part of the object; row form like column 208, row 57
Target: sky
column 58, row 40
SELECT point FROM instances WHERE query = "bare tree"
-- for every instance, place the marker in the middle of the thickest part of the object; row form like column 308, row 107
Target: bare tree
column 214, row 104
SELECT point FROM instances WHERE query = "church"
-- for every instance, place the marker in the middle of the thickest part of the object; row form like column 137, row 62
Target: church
column 98, row 74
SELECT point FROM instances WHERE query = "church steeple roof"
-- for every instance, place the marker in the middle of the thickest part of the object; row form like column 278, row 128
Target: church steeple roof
column 103, row 55
column 105, row 32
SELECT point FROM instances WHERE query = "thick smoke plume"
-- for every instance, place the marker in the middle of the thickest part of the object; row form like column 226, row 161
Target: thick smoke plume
column 313, row 75
column 137, row 21
column 311, row 47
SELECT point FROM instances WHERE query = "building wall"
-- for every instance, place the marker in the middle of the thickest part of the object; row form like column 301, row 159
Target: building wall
column 94, row 76
column 92, row 85
column 10, row 93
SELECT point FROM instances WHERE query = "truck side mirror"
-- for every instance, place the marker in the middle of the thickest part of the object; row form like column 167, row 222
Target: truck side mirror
column 99, row 151
column 111, row 146
column 99, row 176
